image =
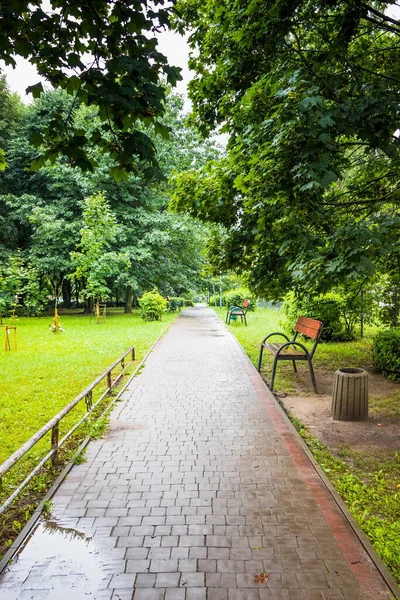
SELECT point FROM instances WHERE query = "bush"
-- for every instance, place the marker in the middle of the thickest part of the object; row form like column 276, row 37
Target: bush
column 175, row 303
column 153, row 305
column 235, row 298
column 386, row 353
column 328, row 308
column 189, row 303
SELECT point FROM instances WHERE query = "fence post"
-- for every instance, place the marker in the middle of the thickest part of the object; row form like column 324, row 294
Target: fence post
column 109, row 381
column 54, row 443
column 133, row 353
column 89, row 400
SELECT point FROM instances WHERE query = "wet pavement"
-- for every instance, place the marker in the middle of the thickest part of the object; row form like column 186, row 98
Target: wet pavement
column 200, row 490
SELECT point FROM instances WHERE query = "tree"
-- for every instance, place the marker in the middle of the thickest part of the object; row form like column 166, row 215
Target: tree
column 10, row 112
column 308, row 92
column 95, row 262
column 43, row 210
column 12, row 279
column 104, row 54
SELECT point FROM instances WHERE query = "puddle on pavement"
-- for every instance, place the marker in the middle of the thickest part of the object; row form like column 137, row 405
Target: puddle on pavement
column 61, row 561
column 116, row 425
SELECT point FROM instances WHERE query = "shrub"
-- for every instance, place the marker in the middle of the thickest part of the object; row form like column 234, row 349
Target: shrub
column 328, row 308
column 153, row 305
column 189, row 303
column 386, row 353
column 235, row 298
column 175, row 303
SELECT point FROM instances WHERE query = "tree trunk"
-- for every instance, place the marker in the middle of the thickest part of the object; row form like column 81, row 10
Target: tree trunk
column 395, row 318
column 128, row 300
column 350, row 395
column 77, row 292
column 66, row 293
column 88, row 306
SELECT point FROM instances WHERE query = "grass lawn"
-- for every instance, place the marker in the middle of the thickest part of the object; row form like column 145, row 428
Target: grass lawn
column 368, row 480
column 48, row 370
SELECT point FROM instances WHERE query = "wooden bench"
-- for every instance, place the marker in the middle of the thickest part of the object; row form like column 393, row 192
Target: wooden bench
column 234, row 312
column 293, row 350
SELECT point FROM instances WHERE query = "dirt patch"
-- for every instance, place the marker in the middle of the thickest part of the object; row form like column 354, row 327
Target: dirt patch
column 381, row 431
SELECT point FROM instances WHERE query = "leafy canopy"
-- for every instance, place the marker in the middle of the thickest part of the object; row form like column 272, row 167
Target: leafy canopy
column 44, row 213
column 104, row 54
column 307, row 196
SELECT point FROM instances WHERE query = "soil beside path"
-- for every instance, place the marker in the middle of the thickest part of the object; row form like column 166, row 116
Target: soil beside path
column 379, row 432
column 199, row 491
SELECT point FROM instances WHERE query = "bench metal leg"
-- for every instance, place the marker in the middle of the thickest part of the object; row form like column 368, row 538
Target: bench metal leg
column 294, row 366
column 271, row 386
column 245, row 322
column 260, row 358
column 312, row 375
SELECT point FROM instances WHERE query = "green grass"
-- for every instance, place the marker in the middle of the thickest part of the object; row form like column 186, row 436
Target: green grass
column 49, row 369
column 388, row 406
column 369, row 482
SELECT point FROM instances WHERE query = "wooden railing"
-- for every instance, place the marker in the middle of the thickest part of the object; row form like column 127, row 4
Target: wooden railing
column 53, row 426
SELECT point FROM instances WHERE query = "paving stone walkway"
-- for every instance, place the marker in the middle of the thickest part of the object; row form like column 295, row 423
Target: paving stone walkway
column 200, row 490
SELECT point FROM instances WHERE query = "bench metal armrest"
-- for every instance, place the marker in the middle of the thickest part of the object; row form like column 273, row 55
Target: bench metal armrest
column 289, row 343
column 275, row 333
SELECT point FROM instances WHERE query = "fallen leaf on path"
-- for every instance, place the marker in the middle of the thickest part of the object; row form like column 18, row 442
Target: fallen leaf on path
column 379, row 424
column 261, row 578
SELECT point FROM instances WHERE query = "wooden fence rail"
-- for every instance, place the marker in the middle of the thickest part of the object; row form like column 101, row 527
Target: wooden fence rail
column 53, row 426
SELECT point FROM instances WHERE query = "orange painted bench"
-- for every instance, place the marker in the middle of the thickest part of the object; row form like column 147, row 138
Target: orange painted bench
column 292, row 349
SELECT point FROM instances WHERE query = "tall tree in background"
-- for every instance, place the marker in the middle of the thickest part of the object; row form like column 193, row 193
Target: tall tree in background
column 42, row 211
column 94, row 259
column 308, row 92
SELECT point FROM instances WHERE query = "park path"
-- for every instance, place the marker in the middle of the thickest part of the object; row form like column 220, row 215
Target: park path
column 200, row 490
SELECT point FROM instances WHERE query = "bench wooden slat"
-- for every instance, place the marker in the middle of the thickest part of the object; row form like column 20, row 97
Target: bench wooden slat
column 286, row 352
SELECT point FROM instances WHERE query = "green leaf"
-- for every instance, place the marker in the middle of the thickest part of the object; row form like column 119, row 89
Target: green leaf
column 162, row 130
column 119, row 174
column 326, row 121
column 36, row 139
column 38, row 163
column 74, row 60
column 328, row 178
column 73, row 84
column 23, row 48
column 35, row 90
